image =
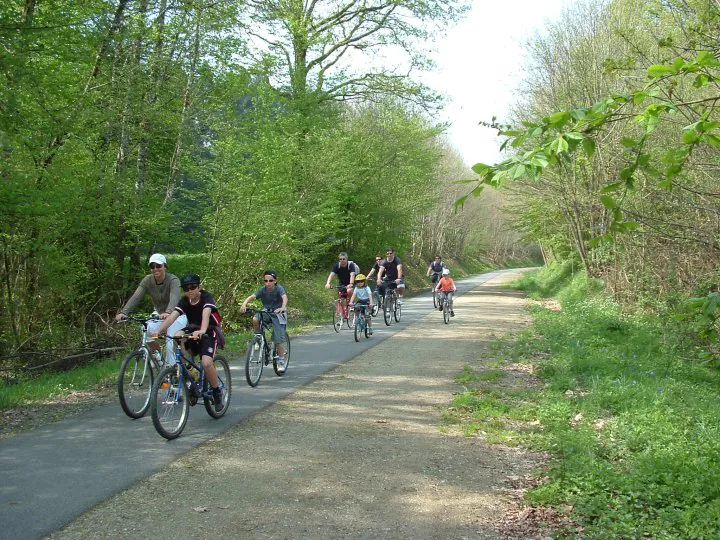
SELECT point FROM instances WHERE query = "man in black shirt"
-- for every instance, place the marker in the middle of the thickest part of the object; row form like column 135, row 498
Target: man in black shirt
column 345, row 270
column 391, row 270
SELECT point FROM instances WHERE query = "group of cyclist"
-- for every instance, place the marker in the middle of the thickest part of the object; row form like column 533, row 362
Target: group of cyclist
column 353, row 289
column 185, row 309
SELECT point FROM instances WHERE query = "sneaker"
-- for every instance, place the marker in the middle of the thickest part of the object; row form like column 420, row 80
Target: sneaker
column 452, row 313
column 399, row 301
column 440, row 308
column 280, row 363
column 370, row 331
column 217, row 397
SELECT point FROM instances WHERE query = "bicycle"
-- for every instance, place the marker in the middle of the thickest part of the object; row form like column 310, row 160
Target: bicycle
column 138, row 371
column 261, row 350
column 341, row 314
column 180, row 386
column 360, row 325
column 378, row 302
column 391, row 307
column 445, row 306
column 435, row 294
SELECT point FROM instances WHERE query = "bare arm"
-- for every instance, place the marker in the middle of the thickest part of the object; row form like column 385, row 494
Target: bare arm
column 243, row 307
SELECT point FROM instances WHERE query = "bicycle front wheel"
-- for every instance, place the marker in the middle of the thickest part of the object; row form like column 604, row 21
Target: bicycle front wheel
column 357, row 330
column 446, row 312
column 435, row 299
column 222, row 369
column 376, row 303
column 397, row 312
column 387, row 307
column 135, row 383
column 254, row 362
column 338, row 316
column 169, row 406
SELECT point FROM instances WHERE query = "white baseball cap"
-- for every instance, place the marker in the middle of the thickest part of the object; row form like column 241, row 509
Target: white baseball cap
column 158, row 258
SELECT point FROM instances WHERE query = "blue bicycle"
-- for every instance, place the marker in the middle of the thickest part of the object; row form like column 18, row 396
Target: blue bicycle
column 360, row 326
column 178, row 387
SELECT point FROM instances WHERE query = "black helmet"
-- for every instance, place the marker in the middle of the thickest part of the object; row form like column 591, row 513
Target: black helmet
column 189, row 279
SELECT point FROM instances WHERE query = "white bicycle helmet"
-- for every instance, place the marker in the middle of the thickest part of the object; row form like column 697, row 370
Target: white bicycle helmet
column 446, row 272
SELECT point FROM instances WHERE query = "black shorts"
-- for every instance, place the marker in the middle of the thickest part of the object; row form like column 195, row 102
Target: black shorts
column 205, row 346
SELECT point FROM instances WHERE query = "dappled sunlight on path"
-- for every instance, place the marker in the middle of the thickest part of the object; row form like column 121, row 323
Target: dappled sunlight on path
column 356, row 454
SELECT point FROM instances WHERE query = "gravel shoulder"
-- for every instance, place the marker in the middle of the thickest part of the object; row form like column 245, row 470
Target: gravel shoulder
column 358, row 453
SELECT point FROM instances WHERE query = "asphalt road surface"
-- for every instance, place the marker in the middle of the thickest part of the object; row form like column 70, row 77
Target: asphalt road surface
column 54, row 473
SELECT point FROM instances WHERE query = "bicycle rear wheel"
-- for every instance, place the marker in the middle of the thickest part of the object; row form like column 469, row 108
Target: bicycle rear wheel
column 287, row 356
column 169, row 406
column 254, row 361
column 135, row 382
column 223, row 372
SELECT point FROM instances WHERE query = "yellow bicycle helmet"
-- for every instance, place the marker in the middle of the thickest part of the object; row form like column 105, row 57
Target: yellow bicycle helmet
column 360, row 277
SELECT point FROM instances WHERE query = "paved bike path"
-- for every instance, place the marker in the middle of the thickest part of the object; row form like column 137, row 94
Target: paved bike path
column 52, row 474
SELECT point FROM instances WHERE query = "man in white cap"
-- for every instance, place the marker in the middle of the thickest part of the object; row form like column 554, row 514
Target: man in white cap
column 164, row 289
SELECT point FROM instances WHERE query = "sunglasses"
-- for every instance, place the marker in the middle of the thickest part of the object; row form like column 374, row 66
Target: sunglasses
column 187, row 288
column 268, row 280
column 154, row 266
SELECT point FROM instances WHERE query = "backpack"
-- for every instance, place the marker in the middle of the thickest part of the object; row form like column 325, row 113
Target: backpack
column 354, row 268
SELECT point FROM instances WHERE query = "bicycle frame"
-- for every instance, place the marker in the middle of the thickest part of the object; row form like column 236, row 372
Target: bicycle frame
column 184, row 374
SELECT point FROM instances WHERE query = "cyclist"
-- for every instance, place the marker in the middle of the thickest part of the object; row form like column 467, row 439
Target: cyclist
column 391, row 270
column 345, row 270
column 362, row 296
column 375, row 267
column 198, row 306
column 273, row 297
column 164, row 290
column 436, row 268
column 446, row 285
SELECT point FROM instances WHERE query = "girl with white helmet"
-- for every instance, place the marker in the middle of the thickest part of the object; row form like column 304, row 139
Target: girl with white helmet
column 446, row 285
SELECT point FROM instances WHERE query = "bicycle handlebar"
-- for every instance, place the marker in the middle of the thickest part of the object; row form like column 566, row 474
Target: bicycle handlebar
column 144, row 319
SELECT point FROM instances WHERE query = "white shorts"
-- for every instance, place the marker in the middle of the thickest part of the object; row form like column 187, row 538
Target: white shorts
column 180, row 323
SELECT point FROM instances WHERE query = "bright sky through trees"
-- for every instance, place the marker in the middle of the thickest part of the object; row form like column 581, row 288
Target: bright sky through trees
column 479, row 65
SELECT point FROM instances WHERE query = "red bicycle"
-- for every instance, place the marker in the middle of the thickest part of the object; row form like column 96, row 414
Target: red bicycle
column 340, row 313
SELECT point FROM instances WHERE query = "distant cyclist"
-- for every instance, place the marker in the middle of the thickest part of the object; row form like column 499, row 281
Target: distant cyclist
column 435, row 268
column 375, row 267
column 362, row 296
column 345, row 270
column 391, row 270
column 164, row 290
column 446, row 285
column 274, row 298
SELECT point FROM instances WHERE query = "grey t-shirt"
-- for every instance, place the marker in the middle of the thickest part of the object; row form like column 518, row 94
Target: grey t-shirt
column 165, row 296
column 270, row 300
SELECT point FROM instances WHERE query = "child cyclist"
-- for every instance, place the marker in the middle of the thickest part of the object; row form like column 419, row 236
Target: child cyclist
column 446, row 285
column 274, row 298
column 203, row 320
column 362, row 296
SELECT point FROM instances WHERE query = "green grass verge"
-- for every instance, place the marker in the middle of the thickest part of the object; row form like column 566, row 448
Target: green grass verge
column 632, row 423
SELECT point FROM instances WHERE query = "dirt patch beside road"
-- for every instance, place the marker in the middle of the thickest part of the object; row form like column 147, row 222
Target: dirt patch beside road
column 356, row 454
